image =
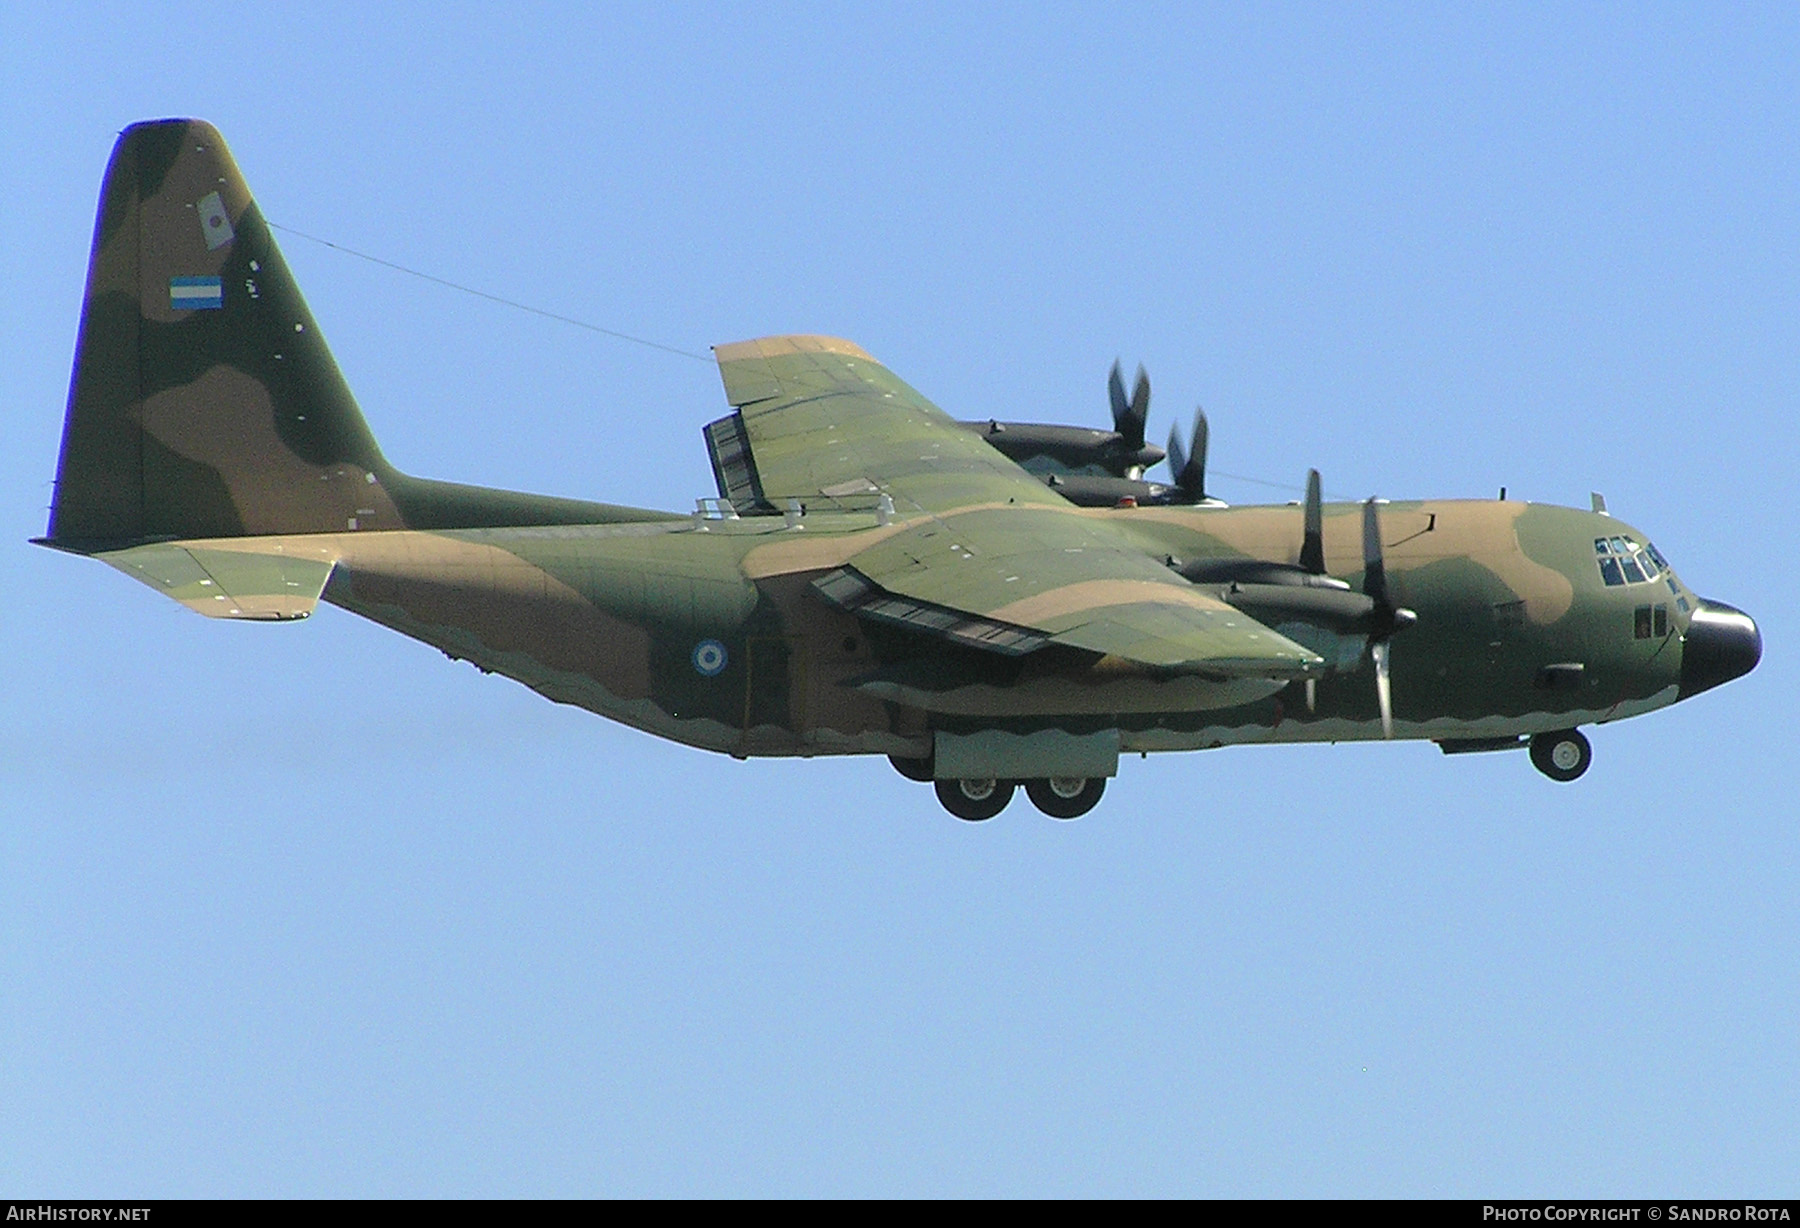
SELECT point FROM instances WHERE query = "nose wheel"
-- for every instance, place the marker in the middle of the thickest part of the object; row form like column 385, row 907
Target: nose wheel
column 1561, row 756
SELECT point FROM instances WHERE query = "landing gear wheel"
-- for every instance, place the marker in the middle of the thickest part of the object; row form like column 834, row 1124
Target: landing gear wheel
column 1561, row 756
column 912, row 769
column 974, row 800
column 1065, row 797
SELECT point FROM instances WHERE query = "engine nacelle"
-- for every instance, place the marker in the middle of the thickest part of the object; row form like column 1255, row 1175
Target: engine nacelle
column 1048, row 448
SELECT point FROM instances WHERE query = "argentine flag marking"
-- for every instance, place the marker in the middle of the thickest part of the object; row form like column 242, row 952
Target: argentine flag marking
column 196, row 293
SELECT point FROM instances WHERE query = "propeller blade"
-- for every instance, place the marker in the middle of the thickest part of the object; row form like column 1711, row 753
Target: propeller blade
column 1388, row 618
column 1189, row 464
column 1197, row 454
column 1312, row 546
column 1133, row 427
column 1115, row 389
column 1374, row 570
column 1384, row 692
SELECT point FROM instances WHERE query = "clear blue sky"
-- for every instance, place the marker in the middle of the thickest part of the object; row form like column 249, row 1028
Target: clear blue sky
column 310, row 910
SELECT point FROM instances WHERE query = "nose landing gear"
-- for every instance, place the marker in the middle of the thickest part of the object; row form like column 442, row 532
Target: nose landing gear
column 1562, row 756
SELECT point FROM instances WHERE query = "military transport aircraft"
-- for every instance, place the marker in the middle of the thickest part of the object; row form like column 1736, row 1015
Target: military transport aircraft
column 988, row 604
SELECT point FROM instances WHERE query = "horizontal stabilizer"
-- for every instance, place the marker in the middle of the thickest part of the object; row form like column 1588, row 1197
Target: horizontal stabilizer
column 228, row 583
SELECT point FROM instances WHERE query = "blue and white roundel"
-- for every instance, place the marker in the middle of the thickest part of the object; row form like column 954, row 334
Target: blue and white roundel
column 709, row 658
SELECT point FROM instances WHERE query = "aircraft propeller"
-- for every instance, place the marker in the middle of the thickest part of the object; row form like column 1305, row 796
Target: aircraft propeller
column 1282, row 593
column 1189, row 464
column 1312, row 545
column 1130, row 417
column 1386, row 618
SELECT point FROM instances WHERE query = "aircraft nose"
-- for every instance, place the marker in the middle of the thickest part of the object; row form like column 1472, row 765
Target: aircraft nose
column 1722, row 643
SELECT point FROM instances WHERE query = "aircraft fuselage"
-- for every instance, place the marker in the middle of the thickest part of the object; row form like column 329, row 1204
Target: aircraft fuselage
column 708, row 632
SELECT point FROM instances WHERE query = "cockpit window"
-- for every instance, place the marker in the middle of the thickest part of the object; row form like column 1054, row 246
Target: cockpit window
column 1623, row 561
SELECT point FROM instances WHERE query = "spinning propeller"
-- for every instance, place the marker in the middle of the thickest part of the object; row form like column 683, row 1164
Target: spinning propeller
column 1283, row 593
column 1385, row 618
column 1130, row 417
column 1189, row 464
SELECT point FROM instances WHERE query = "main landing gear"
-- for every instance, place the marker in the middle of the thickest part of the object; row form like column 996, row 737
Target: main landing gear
column 1563, row 755
column 1065, row 797
column 1060, row 797
column 974, row 800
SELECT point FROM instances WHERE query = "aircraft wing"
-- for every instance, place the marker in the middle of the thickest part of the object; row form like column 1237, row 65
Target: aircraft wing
column 1012, row 580
column 817, row 416
column 1002, row 563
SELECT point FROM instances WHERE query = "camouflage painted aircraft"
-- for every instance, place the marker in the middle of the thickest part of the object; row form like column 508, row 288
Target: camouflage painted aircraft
column 987, row 604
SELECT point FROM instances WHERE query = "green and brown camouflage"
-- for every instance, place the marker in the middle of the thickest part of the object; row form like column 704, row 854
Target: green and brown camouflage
column 907, row 590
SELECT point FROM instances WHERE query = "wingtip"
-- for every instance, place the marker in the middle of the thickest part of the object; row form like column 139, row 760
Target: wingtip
column 793, row 343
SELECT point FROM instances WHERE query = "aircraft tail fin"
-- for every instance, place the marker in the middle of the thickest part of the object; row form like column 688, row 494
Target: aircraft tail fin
column 204, row 401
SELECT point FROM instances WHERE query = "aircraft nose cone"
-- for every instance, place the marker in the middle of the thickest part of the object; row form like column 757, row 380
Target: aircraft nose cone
column 1721, row 643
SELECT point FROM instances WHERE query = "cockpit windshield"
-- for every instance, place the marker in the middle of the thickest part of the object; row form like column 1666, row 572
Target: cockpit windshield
column 1623, row 561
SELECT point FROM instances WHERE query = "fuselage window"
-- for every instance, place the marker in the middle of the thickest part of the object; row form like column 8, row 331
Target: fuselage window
column 1632, row 573
column 1609, row 571
column 1662, row 622
column 1640, row 622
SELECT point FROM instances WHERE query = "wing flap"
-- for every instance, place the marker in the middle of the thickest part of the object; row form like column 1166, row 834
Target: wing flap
column 851, row 592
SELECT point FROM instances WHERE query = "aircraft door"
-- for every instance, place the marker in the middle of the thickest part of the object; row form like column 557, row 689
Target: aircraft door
column 776, row 689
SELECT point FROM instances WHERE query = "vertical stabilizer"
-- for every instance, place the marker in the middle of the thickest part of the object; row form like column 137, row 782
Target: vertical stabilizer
column 204, row 401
